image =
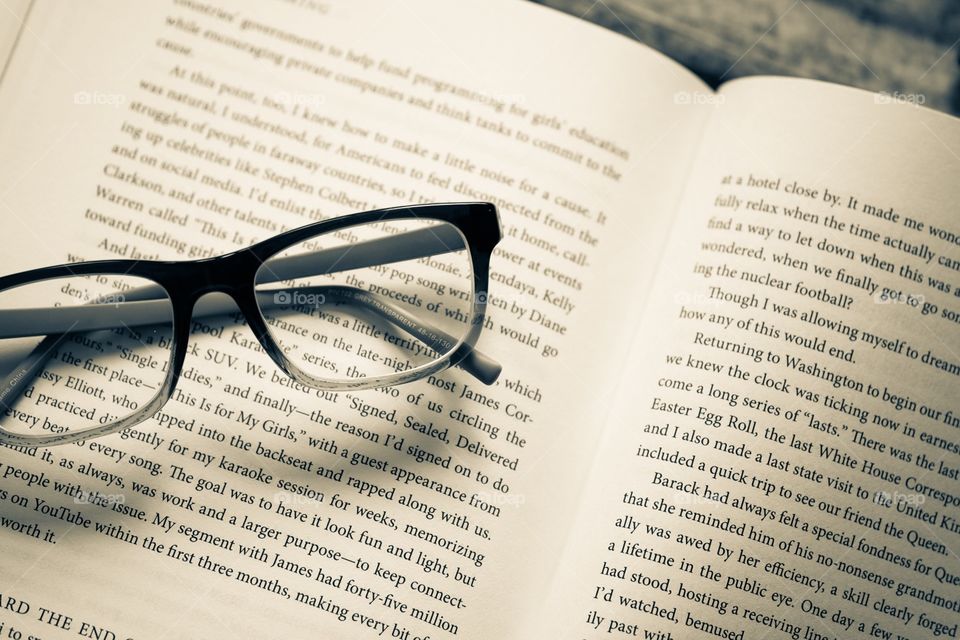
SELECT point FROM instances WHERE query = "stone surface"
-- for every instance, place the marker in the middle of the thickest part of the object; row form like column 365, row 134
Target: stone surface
column 905, row 46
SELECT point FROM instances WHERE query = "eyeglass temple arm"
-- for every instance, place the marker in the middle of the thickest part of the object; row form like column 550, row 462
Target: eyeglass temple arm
column 16, row 382
column 478, row 365
column 20, row 323
column 409, row 245
column 141, row 306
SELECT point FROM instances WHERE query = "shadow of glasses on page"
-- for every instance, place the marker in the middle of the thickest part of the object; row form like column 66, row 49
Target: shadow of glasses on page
column 143, row 491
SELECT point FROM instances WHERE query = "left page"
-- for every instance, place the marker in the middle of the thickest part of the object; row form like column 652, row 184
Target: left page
column 180, row 130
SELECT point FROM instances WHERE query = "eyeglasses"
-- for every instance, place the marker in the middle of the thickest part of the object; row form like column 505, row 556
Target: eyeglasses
column 360, row 301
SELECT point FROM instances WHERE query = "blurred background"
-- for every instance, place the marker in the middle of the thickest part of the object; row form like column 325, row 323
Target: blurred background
column 906, row 48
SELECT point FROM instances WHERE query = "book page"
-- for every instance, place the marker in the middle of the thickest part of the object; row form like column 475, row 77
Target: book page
column 252, row 506
column 783, row 458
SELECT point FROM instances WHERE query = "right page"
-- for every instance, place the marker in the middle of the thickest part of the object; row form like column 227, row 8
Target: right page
column 782, row 459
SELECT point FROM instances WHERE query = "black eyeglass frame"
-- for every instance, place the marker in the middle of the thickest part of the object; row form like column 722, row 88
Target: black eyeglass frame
column 235, row 274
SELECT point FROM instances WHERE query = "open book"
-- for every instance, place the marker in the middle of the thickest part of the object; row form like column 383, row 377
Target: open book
column 728, row 324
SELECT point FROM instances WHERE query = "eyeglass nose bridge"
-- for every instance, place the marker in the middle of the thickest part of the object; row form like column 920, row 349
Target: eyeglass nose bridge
column 212, row 287
column 223, row 285
column 233, row 276
column 228, row 274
